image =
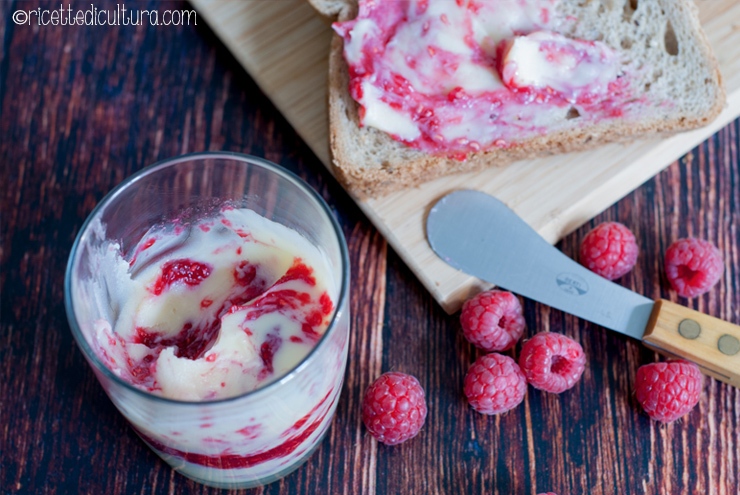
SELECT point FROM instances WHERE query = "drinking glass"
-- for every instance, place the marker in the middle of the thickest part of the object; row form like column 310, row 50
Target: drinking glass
column 259, row 436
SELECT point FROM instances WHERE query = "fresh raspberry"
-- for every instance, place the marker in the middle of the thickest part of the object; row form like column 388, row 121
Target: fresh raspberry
column 609, row 250
column 394, row 408
column 667, row 391
column 552, row 362
column 492, row 320
column 548, row 493
column 495, row 384
column 693, row 266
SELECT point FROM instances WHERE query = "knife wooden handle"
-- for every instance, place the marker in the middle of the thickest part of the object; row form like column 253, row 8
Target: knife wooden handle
column 713, row 344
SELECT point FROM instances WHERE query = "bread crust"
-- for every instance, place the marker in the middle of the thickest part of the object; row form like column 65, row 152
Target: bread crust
column 329, row 8
column 369, row 163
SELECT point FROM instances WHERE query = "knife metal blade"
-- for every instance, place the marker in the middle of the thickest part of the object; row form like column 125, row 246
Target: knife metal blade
column 478, row 234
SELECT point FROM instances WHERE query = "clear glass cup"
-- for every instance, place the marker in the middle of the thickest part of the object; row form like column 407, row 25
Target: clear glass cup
column 264, row 434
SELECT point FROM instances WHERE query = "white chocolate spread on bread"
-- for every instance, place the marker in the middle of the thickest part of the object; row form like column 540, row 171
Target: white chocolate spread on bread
column 457, row 77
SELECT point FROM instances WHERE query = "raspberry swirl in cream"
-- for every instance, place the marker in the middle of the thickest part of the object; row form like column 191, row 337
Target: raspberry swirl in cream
column 456, row 77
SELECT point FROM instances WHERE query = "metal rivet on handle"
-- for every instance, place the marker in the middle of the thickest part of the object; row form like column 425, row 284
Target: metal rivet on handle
column 689, row 329
column 729, row 345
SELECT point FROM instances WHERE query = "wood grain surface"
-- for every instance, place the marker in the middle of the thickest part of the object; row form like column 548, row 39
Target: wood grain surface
column 83, row 107
column 284, row 44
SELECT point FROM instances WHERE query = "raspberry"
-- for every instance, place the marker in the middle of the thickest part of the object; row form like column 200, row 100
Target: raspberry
column 609, row 250
column 552, row 362
column 667, row 391
column 693, row 266
column 548, row 493
column 394, row 408
column 495, row 384
column 492, row 320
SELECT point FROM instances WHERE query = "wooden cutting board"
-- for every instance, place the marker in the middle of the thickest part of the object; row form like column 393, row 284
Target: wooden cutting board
column 284, row 45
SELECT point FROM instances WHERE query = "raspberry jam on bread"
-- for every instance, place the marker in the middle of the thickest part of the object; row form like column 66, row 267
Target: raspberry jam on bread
column 457, row 77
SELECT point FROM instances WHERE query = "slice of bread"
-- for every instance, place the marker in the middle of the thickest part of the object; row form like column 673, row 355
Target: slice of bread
column 663, row 38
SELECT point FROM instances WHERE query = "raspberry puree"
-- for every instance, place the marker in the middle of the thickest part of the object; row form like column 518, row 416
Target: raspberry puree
column 456, row 77
column 217, row 308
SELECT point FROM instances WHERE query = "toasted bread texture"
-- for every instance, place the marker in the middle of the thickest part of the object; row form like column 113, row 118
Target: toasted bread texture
column 662, row 38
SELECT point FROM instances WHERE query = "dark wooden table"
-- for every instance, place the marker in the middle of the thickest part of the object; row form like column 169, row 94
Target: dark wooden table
column 83, row 107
